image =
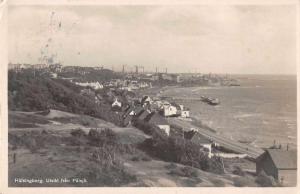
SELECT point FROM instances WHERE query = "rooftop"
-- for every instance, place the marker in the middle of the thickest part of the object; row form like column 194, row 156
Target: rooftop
column 283, row 159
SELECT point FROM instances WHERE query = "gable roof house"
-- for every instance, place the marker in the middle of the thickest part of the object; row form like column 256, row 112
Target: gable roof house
column 116, row 105
column 159, row 121
column 146, row 100
column 199, row 139
column 171, row 110
column 281, row 164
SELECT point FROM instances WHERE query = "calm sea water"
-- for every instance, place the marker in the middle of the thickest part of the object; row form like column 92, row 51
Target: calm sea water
column 261, row 110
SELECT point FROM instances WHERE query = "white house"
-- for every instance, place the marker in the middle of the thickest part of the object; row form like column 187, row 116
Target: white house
column 184, row 112
column 116, row 103
column 169, row 110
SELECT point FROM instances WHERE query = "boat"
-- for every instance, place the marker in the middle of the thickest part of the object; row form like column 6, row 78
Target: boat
column 234, row 84
column 210, row 101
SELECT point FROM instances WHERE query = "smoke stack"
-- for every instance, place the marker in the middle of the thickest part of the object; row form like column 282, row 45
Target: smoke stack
column 287, row 147
column 136, row 69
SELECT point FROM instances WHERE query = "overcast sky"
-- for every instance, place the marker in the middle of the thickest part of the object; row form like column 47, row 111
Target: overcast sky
column 218, row 39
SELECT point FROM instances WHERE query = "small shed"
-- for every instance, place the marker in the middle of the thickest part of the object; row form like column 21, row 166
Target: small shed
column 281, row 164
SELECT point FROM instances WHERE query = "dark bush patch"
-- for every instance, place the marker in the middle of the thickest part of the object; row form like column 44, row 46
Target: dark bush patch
column 218, row 182
column 265, row 181
column 238, row 171
column 78, row 133
column 242, row 182
column 171, row 166
column 186, row 171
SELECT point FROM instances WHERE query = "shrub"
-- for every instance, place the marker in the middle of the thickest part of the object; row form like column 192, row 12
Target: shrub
column 141, row 156
column 189, row 171
column 186, row 171
column 238, row 171
column 264, row 180
column 182, row 151
column 218, row 182
column 171, row 166
column 109, row 175
column 135, row 158
column 78, row 133
column 242, row 182
column 100, row 137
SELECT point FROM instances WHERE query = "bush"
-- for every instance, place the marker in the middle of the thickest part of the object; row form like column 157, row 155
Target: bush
column 78, row 133
column 264, row 180
column 141, row 156
column 189, row 171
column 218, row 182
column 238, row 171
column 171, row 166
column 242, row 182
column 100, row 137
column 186, row 171
column 179, row 150
column 109, row 175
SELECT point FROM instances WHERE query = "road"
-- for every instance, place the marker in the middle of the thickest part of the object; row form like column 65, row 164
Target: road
column 238, row 147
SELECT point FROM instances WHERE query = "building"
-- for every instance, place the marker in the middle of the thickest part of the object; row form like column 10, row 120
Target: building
column 184, row 112
column 146, row 100
column 281, row 164
column 199, row 139
column 116, row 103
column 171, row 110
column 94, row 85
column 159, row 121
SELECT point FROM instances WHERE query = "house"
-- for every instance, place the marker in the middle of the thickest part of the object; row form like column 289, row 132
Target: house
column 199, row 139
column 116, row 103
column 159, row 121
column 184, row 112
column 281, row 164
column 146, row 100
column 170, row 110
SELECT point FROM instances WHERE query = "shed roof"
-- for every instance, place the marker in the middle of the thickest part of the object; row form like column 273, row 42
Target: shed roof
column 283, row 159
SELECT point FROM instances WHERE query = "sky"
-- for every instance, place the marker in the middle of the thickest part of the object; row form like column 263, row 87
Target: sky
column 240, row 39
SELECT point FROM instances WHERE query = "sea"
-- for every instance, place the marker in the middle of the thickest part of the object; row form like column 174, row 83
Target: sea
column 262, row 111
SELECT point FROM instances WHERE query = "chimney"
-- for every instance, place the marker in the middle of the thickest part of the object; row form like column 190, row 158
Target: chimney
column 287, row 147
